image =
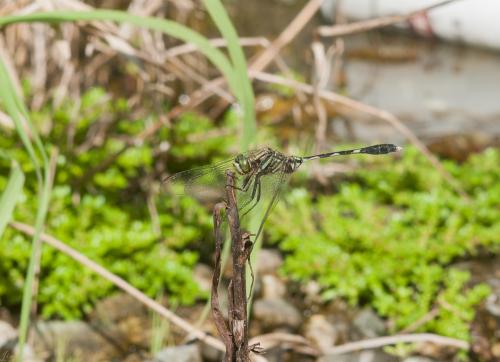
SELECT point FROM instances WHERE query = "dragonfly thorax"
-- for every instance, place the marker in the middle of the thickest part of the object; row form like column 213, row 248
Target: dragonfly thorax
column 242, row 164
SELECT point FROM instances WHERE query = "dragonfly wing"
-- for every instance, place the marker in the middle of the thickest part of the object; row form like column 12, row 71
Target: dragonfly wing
column 208, row 183
column 274, row 188
column 271, row 187
column 203, row 183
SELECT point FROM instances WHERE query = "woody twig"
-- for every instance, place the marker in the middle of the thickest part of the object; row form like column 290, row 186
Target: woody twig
column 234, row 333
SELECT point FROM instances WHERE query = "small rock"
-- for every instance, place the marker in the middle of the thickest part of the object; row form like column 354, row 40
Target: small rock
column 319, row 331
column 492, row 304
column 312, row 291
column 8, row 335
column 269, row 261
column 419, row 359
column 272, row 287
column 115, row 308
column 495, row 350
column 77, row 339
column 9, row 346
column 276, row 313
column 122, row 318
column 369, row 324
column 29, row 355
column 185, row 353
column 364, row 356
column 210, row 353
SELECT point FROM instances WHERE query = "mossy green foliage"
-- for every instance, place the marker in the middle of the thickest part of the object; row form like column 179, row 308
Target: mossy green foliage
column 101, row 209
column 388, row 236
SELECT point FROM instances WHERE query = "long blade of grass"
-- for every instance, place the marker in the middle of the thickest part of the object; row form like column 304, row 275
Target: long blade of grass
column 10, row 195
column 246, row 98
column 17, row 111
column 245, row 94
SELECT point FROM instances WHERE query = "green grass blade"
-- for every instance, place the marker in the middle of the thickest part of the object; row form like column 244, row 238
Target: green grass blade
column 10, row 195
column 245, row 93
column 246, row 98
column 8, row 97
column 17, row 111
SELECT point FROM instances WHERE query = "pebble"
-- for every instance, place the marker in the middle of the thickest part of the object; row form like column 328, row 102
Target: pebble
column 272, row 287
column 369, row 324
column 77, row 338
column 8, row 335
column 492, row 303
column 495, row 350
column 269, row 261
column 320, row 332
column 418, row 359
column 277, row 312
column 185, row 353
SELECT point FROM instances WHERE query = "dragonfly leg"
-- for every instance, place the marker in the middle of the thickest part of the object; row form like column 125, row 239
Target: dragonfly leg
column 245, row 187
column 256, row 193
column 246, row 183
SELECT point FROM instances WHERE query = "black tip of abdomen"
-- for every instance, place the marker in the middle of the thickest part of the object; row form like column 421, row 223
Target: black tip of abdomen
column 381, row 149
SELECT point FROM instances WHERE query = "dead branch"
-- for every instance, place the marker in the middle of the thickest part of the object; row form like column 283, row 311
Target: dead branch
column 365, row 25
column 241, row 247
column 287, row 35
column 293, row 341
column 267, row 56
column 122, row 284
column 370, row 110
column 219, row 321
column 402, row 338
column 235, row 333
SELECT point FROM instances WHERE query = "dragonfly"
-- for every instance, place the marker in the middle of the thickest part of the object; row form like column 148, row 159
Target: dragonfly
column 260, row 174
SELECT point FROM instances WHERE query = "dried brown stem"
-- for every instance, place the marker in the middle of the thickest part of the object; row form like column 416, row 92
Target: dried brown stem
column 298, row 342
column 432, row 314
column 122, row 284
column 365, row 25
column 321, row 75
column 238, row 299
column 220, row 324
column 235, row 333
column 402, row 338
column 293, row 341
column 287, row 35
column 216, row 42
column 370, row 110
column 269, row 54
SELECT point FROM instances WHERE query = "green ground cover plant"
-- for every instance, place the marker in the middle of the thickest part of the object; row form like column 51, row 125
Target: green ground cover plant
column 387, row 238
column 104, row 213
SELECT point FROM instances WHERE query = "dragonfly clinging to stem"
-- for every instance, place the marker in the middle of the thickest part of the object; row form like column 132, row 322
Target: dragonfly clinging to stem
column 260, row 174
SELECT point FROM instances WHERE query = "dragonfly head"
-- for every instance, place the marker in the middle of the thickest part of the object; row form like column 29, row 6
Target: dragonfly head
column 242, row 164
column 293, row 164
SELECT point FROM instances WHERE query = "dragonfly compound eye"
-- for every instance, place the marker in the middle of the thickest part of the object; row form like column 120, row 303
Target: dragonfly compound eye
column 242, row 165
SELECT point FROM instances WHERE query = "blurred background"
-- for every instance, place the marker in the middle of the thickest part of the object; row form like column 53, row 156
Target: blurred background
column 360, row 247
